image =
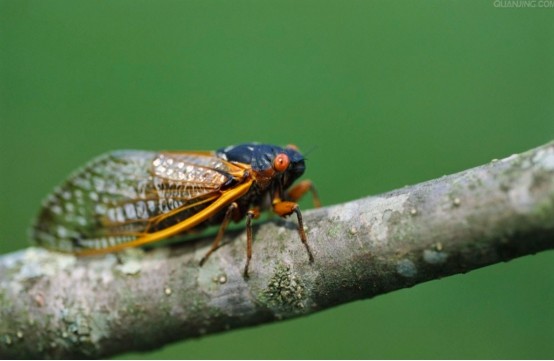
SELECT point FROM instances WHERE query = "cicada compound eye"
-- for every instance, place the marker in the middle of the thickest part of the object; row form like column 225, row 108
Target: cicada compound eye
column 281, row 162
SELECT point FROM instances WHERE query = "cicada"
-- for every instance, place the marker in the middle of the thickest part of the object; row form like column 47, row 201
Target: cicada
column 131, row 198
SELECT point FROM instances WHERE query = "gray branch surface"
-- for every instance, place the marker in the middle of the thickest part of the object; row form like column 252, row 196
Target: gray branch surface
column 59, row 306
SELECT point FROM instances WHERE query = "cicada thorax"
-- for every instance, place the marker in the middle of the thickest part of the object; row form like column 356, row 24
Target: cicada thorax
column 268, row 182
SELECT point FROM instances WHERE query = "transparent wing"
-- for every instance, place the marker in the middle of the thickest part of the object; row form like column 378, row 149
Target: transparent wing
column 124, row 195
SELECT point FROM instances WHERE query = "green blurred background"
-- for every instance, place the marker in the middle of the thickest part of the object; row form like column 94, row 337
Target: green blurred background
column 383, row 93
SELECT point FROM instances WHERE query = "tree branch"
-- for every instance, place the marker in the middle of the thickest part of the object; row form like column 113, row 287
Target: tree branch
column 56, row 305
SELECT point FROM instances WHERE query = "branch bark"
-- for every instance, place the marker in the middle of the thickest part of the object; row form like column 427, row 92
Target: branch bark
column 59, row 306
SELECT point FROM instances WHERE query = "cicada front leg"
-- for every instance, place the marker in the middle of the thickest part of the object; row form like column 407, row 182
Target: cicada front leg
column 298, row 191
column 286, row 208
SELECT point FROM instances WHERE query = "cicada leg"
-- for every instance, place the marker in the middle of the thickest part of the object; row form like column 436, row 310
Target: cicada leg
column 285, row 208
column 215, row 245
column 253, row 213
column 296, row 192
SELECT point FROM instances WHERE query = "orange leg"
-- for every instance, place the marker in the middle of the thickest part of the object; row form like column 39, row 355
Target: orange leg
column 287, row 208
column 215, row 245
column 296, row 192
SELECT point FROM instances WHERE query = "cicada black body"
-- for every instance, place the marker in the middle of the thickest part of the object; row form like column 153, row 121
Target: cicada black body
column 130, row 198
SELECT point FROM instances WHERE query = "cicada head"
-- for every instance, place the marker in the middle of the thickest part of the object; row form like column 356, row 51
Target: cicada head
column 295, row 167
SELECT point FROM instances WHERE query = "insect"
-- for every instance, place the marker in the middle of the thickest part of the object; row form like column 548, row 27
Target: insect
column 132, row 198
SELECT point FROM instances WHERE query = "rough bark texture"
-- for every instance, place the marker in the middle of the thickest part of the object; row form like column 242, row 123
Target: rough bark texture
column 59, row 306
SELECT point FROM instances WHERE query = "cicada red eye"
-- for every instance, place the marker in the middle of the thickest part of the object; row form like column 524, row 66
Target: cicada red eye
column 281, row 162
